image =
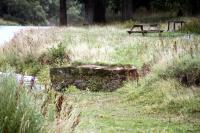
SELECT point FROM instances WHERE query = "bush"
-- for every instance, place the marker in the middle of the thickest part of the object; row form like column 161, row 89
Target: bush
column 55, row 56
column 17, row 110
column 192, row 27
column 187, row 71
column 28, row 64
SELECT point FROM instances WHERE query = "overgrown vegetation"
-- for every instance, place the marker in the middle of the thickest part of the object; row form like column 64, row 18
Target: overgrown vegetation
column 187, row 71
column 18, row 111
column 54, row 56
column 31, row 55
column 192, row 27
column 163, row 93
column 161, row 102
column 25, row 111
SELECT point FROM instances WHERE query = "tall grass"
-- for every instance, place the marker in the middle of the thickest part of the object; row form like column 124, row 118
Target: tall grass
column 192, row 27
column 162, row 90
column 106, row 44
column 17, row 109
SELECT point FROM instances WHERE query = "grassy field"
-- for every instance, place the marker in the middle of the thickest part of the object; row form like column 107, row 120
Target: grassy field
column 160, row 103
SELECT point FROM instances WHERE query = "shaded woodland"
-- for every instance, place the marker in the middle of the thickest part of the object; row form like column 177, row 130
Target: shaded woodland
column 91, row 11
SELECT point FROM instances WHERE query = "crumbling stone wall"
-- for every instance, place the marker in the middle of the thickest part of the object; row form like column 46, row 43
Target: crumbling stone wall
column 92, row 77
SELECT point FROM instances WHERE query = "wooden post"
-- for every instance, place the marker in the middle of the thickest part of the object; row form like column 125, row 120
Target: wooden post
column 168, row 25
column 174, row 26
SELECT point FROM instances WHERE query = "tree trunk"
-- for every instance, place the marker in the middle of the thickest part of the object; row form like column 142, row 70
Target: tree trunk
column 63, row 12
column 127, row 9
column 89, row 11
column 100, row 11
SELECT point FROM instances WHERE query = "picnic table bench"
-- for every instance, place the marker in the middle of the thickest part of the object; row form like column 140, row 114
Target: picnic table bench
column 175, row 22
column 141, row 26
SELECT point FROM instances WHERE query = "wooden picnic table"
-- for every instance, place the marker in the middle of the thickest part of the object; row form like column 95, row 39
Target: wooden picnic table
column 141, row 26
column 174, row 22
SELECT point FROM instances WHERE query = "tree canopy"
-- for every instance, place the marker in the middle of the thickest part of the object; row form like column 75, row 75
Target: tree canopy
column 43, row 11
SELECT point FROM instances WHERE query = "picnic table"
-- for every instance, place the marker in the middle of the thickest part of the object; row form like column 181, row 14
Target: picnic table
column 174, row 23
column 149, row 30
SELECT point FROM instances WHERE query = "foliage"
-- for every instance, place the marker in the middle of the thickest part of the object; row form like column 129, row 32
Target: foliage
column 28, row 11
column 26, row 65
column 154, row 18
column 165, row 93
column 24, row 11
column 192, row 27
column 186, row 71
column 18, row 110
column 55, row 56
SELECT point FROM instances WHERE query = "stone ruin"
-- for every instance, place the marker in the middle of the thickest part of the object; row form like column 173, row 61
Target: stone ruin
column 92, row 77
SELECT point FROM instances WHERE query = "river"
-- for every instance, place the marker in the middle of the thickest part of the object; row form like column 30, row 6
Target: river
column 8, row 32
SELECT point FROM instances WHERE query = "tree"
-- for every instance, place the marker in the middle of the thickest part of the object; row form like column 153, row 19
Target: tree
column 127, row 9
column 95, row 11
column 63, row 12
column 89, row 11
column 100, row 11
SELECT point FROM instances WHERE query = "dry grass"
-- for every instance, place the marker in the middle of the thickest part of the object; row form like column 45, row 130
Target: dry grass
column 33, row 41
column 109, row 112
column 107, row 44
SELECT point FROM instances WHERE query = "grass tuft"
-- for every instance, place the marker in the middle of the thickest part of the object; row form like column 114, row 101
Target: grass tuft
column 17, row 109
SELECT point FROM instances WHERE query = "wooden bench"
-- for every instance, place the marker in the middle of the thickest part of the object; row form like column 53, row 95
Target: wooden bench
column 141, row 26
column 175, row 22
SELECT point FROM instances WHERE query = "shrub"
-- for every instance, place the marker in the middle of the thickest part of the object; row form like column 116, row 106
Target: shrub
column 187, row 71
column 55, row 56
column 31, row 65
column 17, row 110
column 192, row 27
column 27, row 64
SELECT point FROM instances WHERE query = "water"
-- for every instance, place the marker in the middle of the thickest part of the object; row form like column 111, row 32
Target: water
column 8, row 32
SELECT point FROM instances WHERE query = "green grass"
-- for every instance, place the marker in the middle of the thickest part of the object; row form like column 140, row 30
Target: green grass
column 160, row 103
column 110, row 112
column 157, row 104
column 17, row 109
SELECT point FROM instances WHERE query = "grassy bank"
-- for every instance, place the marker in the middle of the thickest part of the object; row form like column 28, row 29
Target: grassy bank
column 161, row 102
column 158, row 104
column 107, row 44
